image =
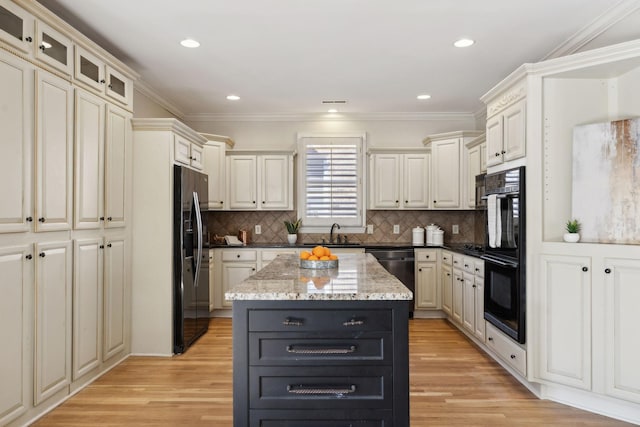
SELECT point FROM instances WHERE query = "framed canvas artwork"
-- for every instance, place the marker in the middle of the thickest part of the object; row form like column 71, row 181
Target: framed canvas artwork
column 606, row 181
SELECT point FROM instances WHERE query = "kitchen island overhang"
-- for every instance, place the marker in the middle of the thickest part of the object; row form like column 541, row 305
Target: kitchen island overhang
column 322, row 346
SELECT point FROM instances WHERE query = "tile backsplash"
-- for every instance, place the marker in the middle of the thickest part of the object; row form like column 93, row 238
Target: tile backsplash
column 471, row 226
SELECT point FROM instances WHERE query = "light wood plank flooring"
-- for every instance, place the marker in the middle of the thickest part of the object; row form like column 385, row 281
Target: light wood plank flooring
column 452, row 384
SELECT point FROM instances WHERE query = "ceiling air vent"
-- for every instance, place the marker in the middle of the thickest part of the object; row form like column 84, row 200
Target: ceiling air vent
column 333, row 102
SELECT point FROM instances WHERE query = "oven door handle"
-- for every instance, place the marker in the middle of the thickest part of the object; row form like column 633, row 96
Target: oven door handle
column 502, row 262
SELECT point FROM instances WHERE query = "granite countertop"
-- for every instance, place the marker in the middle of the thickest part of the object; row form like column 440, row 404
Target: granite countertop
column 358, row 277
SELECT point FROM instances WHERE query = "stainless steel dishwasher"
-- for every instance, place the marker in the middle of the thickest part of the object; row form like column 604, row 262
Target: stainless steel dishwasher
column 400, row 263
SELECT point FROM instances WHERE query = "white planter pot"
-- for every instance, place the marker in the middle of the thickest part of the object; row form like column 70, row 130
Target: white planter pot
column 292, row 238
column 571, row 237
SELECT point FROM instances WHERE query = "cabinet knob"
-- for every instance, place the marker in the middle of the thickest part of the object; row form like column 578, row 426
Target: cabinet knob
column 435, row 201
column 28, row 256
column 42, row 255
column 109, row 218
column 238, row 256
column 490, row 338
column 449, row 274
column 419, row 269
column 607, row 270
column 503, row 152
column 103, row 81
column 473, row 286
column 406, row 201
column 254, row 202
column 110, row 86
column 253, row 269
column 466, row 266
column 263, row 202
column 513, row 356
column 427, row 256
column 28, row 39
column 585, row 269
column 29, row 219
column 109, row 245
column 41, row 47
column 497, row 154
column 101, row 218
column 41, row 219
column 101, row 246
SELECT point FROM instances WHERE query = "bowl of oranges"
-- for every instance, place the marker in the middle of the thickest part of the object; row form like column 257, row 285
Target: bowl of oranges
column 319, row 257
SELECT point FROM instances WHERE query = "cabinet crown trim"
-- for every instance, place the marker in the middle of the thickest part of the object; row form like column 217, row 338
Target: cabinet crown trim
column 219, row 138
column 391, row 150
column 260, row 152
column 456, row 134
column 172, row 125
column 476, row 141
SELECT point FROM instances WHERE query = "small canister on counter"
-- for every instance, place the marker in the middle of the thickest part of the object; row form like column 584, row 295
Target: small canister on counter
column 430, row 229
column 418, row 236
column 243, row 236
column 438, row 237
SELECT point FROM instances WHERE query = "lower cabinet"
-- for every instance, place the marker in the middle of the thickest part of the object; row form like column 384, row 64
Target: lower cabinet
column 16, row 270
column 321, row 363
column 52, row 367
column 114, row 298
column 457, row 293
column 575, row 347
column 237, row 265
column 446, row 281
column 473, row 297
column 426, row 279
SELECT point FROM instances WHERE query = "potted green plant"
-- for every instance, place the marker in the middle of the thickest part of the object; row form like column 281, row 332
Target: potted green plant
column 292, row 229
column 573, row 231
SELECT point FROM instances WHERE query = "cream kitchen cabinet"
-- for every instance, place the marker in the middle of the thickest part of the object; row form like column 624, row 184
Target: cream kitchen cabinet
column 214, row 167
column 17, row 27
column 236, row 266
column 87, row 305
column 260, row 181
column 474, row 164
column 95, row 73
column 399, row 180
column 53, row 48
column 427, row 285
column 53, row 307
column 188, row 152
column 16, row 270
column 457, row 303
column 53, row 153
column 473, row 297
column 115, row 298
column 100, row 161
column 16, row 145
column 448, row 177
column 446, row 280
column 506, row 125
column 268, row 255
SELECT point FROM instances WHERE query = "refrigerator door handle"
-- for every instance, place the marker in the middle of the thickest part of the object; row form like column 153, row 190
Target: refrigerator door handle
column 196, row 204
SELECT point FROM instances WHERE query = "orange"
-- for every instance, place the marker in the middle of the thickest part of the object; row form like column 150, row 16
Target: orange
column 305, row 255
column 333, row 257
column 318, row 251
column 327, row 252
column 313, row 258
column 324, row 258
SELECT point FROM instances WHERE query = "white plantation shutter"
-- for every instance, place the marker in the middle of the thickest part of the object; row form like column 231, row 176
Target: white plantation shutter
column 332, row 175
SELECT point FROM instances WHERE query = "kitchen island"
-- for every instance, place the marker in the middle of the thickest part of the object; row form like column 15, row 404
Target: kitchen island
column 321, row 347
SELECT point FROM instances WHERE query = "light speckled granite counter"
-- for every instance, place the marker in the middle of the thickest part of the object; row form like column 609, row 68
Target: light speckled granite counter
column 359, row 277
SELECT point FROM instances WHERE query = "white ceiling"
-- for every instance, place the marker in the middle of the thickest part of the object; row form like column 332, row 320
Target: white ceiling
column 286, row 56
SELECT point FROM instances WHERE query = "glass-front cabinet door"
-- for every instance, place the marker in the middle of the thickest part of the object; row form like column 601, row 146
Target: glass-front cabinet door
column 16, row 26
column 119, row 87
column 89, row 69
column 53, row 48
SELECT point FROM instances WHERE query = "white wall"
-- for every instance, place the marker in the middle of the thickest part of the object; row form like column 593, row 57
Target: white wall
column 380, row 133
column 143, row 107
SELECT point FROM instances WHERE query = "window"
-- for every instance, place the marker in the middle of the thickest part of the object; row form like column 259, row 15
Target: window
column 331, row 176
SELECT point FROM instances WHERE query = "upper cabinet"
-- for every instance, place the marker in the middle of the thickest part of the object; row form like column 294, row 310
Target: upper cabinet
column 16, row 26
column 188, row 152
column 260, row 181
column 54, row 48
column 399, row 179
column 506, row 124
column 474, row 163
column 449, row 186
column 215, row 167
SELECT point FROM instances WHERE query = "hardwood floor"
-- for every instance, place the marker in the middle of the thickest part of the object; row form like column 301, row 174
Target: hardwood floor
column 452, row 383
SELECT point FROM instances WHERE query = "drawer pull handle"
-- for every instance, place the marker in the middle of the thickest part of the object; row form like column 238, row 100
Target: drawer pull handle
column 353, row 322
column 321, row 389
column 292, row 322
column 321, row 350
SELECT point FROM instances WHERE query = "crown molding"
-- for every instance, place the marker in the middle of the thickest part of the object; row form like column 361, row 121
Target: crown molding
column 145, row 89
column 167, row 124
column 306, row 117
column 598, row 26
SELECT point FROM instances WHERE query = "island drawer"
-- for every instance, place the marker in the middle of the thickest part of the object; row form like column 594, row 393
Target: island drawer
column 239, row 255
column 295, row 349
column 320, row 387
column 319, row 320
column 320, row 418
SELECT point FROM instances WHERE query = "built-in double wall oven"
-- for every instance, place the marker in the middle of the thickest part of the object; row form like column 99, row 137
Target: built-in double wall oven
column 505, row 296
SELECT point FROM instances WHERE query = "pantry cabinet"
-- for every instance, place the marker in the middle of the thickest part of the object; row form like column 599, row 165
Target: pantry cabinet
column 260, row 181
column 53, row 153
column 16, row 143
column 16, row 270
column 117, row 141
column 399, row 179
column 115, row 298
column 215, row 168
column 53, row 307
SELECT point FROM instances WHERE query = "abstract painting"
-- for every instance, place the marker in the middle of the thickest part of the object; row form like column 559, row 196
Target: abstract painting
column 606, row 181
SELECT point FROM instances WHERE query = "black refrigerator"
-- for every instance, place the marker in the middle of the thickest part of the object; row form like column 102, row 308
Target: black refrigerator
column 191, row 260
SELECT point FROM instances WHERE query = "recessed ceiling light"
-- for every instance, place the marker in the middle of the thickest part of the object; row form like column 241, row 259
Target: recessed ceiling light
column 463, row 43
column 425, row 96
column 189, row 43
column 233, row 97
column 333, row 110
